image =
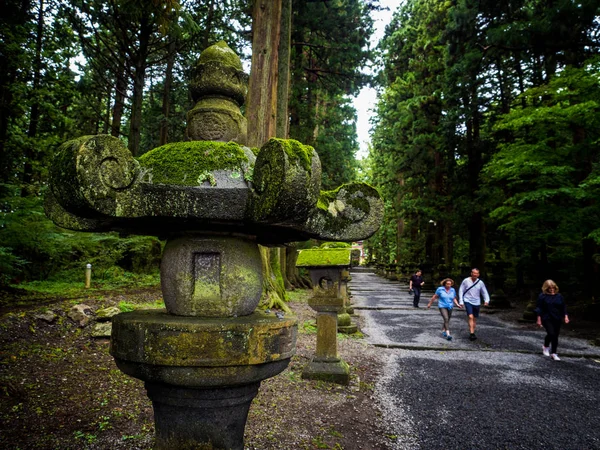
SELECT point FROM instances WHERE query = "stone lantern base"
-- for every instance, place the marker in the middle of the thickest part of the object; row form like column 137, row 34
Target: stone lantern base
column 330, row 371
column 200, row 418
column 201, row 373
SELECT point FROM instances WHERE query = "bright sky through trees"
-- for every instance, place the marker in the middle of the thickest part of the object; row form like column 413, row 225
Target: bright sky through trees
column 365, row 101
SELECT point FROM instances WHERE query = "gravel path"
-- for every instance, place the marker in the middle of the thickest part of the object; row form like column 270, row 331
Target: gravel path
column 498, row 392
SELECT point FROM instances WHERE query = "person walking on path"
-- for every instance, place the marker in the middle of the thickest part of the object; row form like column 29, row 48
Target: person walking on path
column 446, row 297
column 415, row 284
column 469, row 294
column 551, row 312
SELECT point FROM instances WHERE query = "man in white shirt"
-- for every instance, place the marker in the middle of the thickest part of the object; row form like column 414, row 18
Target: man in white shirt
column 470, row 293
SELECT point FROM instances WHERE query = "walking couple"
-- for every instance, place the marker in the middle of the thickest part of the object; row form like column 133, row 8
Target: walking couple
column 471, row 290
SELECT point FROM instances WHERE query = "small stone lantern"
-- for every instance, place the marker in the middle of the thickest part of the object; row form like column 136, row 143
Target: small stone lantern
column 326, row 268
column 203, row 358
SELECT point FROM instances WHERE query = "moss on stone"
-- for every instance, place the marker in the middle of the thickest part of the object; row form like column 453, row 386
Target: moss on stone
column 349, row 207
column 191, row 163
column 317, row 257
column 297, row 152
column 286, row 180
column 161, row 339
column 221, row 53
column 215, row 104
column 327, row 199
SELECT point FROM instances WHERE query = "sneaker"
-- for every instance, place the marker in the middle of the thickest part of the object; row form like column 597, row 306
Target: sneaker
column 449, row 338
column 555, row 357
column 444, row 334
column 472, row 337
column 546, row 350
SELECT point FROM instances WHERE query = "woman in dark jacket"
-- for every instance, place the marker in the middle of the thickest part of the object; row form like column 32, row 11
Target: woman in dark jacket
column 415, row 284
column 551, row 312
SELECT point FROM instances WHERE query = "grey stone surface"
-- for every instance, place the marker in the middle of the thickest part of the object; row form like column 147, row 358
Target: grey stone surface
column 102, row 330
column 48, row 316
column 211, row 277
column 80, row 314
column 106, row 314
column 498, row 392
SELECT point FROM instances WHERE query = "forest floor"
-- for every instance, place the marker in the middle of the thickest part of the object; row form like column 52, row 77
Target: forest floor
column 60, row 388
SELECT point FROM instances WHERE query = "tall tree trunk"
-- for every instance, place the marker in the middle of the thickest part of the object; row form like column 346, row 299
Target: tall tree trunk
column 282, row 120
column 106, row 122
column 29, row 153
column 283, row 76
column 139, row 77
column 475, row 222
column 262, row 90
column 18, row 14
column 166, row 100
column 295, row 122
column 261, row 112
column 119, row 106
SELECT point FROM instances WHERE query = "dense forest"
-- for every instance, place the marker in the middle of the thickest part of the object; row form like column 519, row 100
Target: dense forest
column 484, row 139
column 122, row 67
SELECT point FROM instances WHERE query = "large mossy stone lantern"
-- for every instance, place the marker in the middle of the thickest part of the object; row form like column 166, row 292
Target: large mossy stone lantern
column 326, row 267
column 203, row 358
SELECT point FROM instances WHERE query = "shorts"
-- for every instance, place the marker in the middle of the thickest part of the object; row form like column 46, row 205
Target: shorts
column 472, row 309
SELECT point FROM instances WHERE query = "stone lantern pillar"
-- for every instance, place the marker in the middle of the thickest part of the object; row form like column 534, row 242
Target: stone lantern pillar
column 202, row 358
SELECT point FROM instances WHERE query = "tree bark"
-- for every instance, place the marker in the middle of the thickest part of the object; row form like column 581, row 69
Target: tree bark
column 262, row 90
column 261, row 112
column 283, row 85
column 139, row 78
column 282, row 127
column 475, row 222
column 119, row 106
column 166, row 100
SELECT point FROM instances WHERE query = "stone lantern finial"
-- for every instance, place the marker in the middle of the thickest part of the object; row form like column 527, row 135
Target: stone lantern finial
column 219, row 87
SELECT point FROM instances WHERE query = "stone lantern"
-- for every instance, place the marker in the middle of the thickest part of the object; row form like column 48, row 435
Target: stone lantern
column 203, row 358
column 329, row 299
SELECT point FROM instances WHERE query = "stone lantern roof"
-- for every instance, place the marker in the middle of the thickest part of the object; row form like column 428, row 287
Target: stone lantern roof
column 210, row 183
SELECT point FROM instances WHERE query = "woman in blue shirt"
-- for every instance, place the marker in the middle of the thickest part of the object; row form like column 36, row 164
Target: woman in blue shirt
column 446, row 296
column 551, row 312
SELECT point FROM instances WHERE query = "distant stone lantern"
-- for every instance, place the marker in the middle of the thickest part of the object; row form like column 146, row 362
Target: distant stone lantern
column 203, row 358
column 327, row 267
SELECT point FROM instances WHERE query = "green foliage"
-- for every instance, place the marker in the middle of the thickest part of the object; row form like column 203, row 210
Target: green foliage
column 484, row 143
column 42, row 251
column 309, row 327
column 409, row 160
column 10, row 265
column 330, row 48
column 547, row 167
